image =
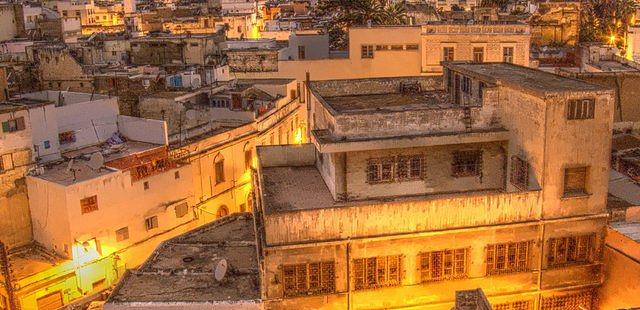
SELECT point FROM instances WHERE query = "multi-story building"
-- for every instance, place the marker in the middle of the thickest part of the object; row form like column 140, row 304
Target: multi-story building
column 494, row 176
column 392, row 51
column 450, row 4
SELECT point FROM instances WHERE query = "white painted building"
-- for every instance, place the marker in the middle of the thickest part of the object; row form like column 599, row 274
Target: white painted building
column 110, row 188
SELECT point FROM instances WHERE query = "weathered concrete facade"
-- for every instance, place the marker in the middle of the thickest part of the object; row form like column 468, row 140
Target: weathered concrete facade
column 376, row 230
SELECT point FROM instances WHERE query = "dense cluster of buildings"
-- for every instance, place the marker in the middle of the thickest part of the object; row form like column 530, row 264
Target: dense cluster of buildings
column 221, row 154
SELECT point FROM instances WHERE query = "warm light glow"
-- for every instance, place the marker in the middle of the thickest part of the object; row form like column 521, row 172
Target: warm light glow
column 297, row 139
column 612, row 39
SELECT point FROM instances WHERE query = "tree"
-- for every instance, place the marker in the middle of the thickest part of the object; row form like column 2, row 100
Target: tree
column 342, row 14
column 606, row 21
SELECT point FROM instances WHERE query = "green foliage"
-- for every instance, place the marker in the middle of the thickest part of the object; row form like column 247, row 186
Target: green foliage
column 343, row 14
column 601, row 19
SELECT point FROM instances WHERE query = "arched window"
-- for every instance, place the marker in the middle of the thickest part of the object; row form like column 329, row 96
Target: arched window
column 222, row 212
column 218, row 167
column 248, row 156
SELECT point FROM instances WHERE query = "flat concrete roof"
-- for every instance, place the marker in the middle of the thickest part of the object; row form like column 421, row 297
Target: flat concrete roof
column 181, row 270
column 522, row 77
column 391, row 102
column 31, row 259
column 294, row 188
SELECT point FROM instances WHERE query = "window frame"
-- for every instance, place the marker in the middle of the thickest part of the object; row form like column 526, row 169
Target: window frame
column 512, row 263
column 366, row 51
column 458, row 162
column 301, row 280
column 13, row 125
column 580, row 253
column 519, row 173
column 218, row 170
column 427, row 262
column 448, row 53
column 569, row 190
column 151, row 223
column 89, row 204
column 478, row 51
column 122, row 234
column 508, row 57
column 378, row 271
column 581, row 109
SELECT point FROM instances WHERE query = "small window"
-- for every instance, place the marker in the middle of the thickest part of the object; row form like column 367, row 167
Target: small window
column 380, row 170
column 243, row 207
column 581, row 109
column 396, row 47
column 248, row 159
column 176, row 175
column 447, row 54
column 575, row 180
column 182, row 210
column 151, row 223
column 507, row 54
column 122, row 234
column 13, row 125
column 301, row 52
column 222, row 212
column 410, row 167
column 67, row 137
column 47, row 144
column 412, row 47
column 219, row 169
column 467, row 163
column 146, row 185
column 519, row 173
column 382, row 47
column 466, row 85
column 366, row 51
column 193, row 44
column 89, row 204
column 478, row 54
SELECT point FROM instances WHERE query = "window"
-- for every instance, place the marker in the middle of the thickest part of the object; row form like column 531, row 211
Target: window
column 146, row 185
column 581, row 109
column 580, row 300
column 151, row 222
column 508, row 257
column 396, row 47
column 466, row 85
column 412, row 47
column 89, row 204
column 243, row 207
column 481, row 86
column 248, row 158
column 182, row 210
column 308, row 279
column 515, row 305
column 448, row 54
column 67, row 137
column 382, row 47
column 13, row 125
column 122, row 234
column 410, row 167
column 519, row 173
column 222, row 212
column 193, row 44
column 478, row 54
column 176, row 175
column 219, row 169
column 380, row 170
column 569, row 250
column 467, row 163
column 47, row 144
column 443, row 265
column 366, row 51
column 301, row 52
column 507, row 54
column 375, row 272
column 575, row 181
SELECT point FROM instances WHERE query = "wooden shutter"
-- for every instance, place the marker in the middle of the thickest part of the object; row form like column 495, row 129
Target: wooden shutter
column 50, row 302
column 575, row 179
column 20, row 123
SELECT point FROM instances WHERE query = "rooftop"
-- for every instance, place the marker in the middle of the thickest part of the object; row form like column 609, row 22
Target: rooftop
column 629, row 229
column 522, row 77
column 389, row 102
column 31, row 259
column 181, row 270
column 294, row 188
column 76, row 168
column 22, row 104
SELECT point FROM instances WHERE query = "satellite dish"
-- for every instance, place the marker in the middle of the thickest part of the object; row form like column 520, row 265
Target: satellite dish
column 96, row 161
column 220, row 269
column 70, row 166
